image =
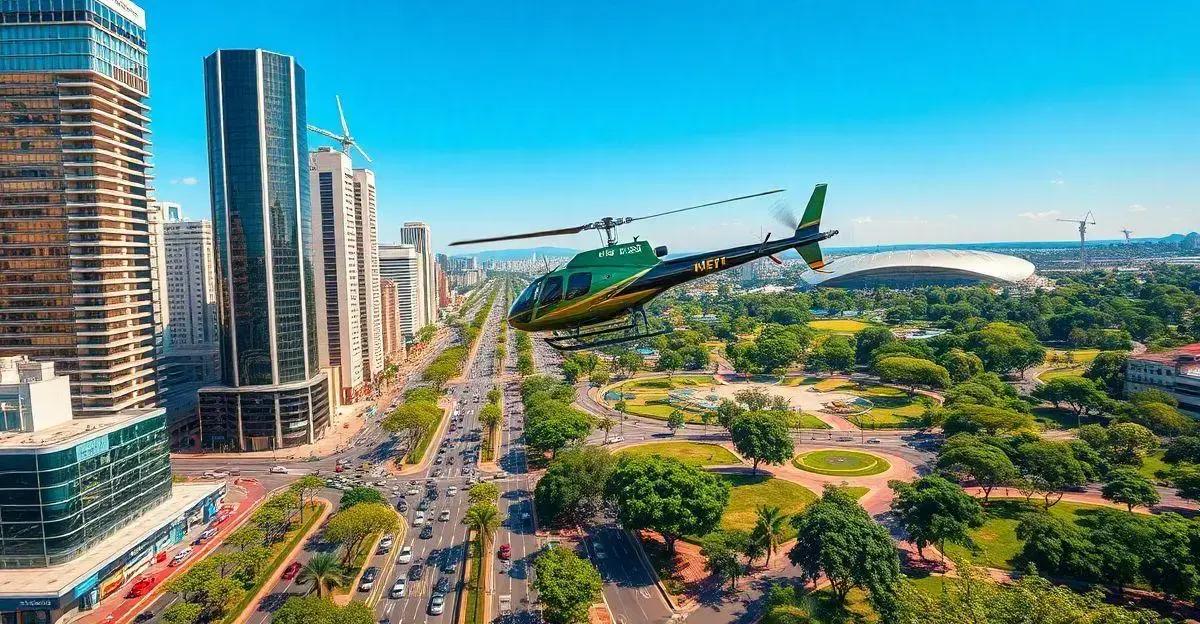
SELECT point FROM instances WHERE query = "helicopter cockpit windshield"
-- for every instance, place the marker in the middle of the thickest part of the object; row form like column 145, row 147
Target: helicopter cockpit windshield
column 523, row 307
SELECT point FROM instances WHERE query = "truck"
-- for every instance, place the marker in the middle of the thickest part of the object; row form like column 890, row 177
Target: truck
column 506, row 604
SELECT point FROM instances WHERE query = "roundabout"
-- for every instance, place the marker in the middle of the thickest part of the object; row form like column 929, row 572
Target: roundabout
column 841, row 463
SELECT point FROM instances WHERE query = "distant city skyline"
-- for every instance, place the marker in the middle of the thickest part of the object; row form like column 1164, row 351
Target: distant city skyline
column 981, row 123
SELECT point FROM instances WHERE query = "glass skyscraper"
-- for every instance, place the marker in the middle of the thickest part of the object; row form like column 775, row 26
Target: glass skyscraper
column 273, row 393
column 75, row 260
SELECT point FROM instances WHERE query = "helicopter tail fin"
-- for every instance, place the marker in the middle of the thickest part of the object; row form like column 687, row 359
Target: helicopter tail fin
column 810, row 223
column 812, row 256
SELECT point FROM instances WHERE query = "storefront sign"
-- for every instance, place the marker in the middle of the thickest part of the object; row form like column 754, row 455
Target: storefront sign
column 92, row 448
column 112, row 583
column 28, row 604
column 87, row 585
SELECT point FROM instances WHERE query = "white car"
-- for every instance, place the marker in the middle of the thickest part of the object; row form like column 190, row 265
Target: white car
column 437, row 604
column 398, row 589
column 278, row 470
column 180, row 556
column 405, row 555
column 420, row 519
column 451, row 491
column 615, row 439
column 444, row 516
column 387, row 541
column 215, row 474
column 412, row 491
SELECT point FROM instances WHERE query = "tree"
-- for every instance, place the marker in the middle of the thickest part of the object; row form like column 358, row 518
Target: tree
column 606, row 425
column 350, row 527
column 836, row 538
column 306, row 487
column 1052, row 467
column 570, row 371
column 762, row 436
column 628, row 361
column 665, row 495
column 484, row 519
column 246, row 536
column 720, row 552
column 412, row 421
column 483, row 492
column 707, row 418
column 769, row 528
column 835, row 353
column 869, row 339
column 1108, row 370
column 1129, row 442
column 755, row 399
column 564, row 427
column 728, row 410
column 182, row 613
column 490, row 416
column 934, row 511
column 567, row 586
column 960, row 364
column 1170, row 563
column 1080, row 394
column 600, row 377
column 912, row 372
column 1185, row 448
column 974, row 418
column 203, row 585
column 985, row 464
column 1005, row 347
column 669, row 362
column 572, row 489
column 359, row 495
column 316, row 610
column 675, row 421
column 1130, row 488
column 1187, row 480
column 325, row 573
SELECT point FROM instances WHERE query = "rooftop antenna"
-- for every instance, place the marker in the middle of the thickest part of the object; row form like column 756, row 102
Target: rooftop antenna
column 344, row 138
column 1087, row 220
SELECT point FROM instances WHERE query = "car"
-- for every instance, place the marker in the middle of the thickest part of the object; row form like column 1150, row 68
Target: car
column 845, row 438
column 215, row 474
column 437, row 604
column 451, row 491
column 180, row 557
column 438, row 461
column 437, row 472
column 450, row 566
column 368, row 579
column 380, row 483
column 423, row 505
column 427, row 532
column 141, row 587
column 872, row 440
column 416, row 572
column 278, row 470
column 444, row 516
column 402, row 505
column 291, row 571
column 397, row 589
column 420, row 519
column 505, row 552
column 443, row 585
column 412, row 491
column 615, row 439
column 500, row 475
column 405, row 555
column 339, row 468
column 385, row 544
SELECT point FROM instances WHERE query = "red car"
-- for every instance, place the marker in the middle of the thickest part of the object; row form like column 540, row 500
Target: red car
column 141, row 587
column 505, row 552
column 291, row 571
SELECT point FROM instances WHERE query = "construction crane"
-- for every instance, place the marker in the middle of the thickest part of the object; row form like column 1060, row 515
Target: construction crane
column 1127, row 232
column 344, row 138
column 1087, row 220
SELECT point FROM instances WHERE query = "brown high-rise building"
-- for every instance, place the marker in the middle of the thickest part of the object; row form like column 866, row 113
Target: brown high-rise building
column 75, row 247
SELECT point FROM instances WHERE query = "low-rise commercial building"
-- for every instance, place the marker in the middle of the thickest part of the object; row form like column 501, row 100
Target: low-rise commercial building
column 1176, row 372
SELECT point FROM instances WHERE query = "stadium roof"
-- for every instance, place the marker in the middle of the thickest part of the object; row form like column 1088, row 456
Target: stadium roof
column 918, row 267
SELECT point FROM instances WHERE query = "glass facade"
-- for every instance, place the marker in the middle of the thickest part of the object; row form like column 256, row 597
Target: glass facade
column 263, row 420
column 56, row 504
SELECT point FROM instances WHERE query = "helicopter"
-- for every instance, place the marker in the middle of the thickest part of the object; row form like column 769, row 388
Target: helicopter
column 598, row 298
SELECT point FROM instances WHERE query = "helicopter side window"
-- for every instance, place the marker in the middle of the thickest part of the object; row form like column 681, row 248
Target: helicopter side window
column 552, row 290
column 579, row 284
column 524, row 303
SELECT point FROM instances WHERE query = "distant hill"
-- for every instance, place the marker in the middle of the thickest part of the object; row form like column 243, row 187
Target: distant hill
column 1179, row 238
column 520, row 254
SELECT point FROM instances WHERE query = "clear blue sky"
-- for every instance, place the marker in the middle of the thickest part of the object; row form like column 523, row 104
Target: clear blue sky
column 981, row 121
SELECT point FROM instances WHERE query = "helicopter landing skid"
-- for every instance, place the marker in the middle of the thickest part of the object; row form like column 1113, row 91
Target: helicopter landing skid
column 606, row 336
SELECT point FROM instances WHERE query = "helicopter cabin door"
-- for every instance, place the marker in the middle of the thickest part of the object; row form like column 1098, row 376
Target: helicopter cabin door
column 554, row 291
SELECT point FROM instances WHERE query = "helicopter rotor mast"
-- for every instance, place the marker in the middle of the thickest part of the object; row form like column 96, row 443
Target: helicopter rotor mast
column 607, row 225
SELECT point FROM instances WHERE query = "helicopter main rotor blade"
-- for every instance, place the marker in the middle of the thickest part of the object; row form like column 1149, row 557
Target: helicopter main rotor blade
column 558, row 232
column 723, row 201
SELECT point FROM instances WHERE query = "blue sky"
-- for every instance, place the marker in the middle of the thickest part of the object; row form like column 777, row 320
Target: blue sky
column 979, row 121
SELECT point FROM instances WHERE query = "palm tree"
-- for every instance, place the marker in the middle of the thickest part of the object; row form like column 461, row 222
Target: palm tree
column 325, row 573
column 483, row 518
column 769, row 528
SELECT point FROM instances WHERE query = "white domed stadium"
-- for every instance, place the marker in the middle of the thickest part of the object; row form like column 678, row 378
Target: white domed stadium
column 921, row 267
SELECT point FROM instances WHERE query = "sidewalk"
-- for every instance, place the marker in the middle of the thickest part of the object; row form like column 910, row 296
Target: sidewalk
column 244, row 496
column 344, row 426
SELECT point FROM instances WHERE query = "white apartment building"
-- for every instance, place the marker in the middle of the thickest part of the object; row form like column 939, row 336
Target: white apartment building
column 370, row 295
column 416, row 233
column 191, row 282
column 402, row 264
column 336, row 266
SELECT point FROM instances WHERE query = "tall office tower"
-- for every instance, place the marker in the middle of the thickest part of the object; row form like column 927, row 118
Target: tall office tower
column 393, row 339
column 273, row 392
column 336, row 265
column 191, row 281
column 369, row 296
column 443, row 261
column 76, row 282
column 416, row 233
column 402, row 265
column 443, row 287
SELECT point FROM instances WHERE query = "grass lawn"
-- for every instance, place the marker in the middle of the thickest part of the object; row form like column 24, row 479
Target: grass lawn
column 650, row 396
column 749, row 491
column 891, row 411
column 997, row 538
column 1153, row 464
column 825, row 385
column 801, row 420
column 839, row 326
column 1054, row 373
column 1066, row 356
column 839, row 463
column 691, row 453
column 802, row 381
column 474, row 599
